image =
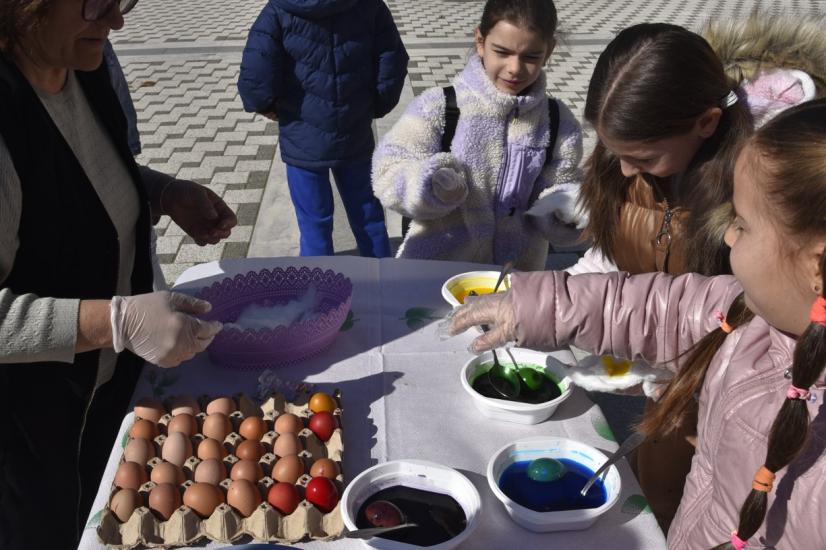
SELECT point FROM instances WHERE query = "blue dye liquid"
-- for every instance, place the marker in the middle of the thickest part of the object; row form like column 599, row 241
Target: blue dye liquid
column 552, row 496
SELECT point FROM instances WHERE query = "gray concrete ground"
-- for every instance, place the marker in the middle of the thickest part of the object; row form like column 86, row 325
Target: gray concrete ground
column 182, row 58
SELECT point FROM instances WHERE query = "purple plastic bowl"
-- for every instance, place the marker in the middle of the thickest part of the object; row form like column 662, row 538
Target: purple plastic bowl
column 261, row 348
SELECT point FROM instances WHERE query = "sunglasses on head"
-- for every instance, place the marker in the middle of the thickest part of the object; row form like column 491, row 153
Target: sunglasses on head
column 96, row 9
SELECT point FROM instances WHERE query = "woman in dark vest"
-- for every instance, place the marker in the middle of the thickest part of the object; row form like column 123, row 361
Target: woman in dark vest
column 77, row 315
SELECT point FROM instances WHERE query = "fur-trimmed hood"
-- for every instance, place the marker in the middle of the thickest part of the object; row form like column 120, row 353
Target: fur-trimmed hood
column 765, row 41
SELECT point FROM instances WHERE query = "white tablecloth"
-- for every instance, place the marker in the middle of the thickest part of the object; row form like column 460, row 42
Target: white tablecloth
column 402, row 399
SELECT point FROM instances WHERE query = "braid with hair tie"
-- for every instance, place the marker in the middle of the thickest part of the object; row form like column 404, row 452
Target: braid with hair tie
column 790, row 428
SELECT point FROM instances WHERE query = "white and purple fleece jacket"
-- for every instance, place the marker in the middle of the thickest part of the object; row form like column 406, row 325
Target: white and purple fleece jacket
column 500, row 146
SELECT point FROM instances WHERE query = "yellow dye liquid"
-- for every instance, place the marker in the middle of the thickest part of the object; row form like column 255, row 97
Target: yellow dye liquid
column 463, row 293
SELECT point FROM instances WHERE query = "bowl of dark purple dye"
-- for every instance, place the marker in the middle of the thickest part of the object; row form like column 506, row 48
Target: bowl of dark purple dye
column 552, row 505
column 443, row 503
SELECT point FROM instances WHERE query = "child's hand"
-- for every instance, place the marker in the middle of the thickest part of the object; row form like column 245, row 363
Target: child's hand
column 449, row 186
column 561, row 206
column 271, row 115
column 495, row 310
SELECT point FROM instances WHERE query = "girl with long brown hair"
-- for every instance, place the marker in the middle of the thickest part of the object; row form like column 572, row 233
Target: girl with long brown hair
column 757, row 371
column 670, row 110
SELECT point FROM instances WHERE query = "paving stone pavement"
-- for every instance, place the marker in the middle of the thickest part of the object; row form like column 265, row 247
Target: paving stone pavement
column 181, row 60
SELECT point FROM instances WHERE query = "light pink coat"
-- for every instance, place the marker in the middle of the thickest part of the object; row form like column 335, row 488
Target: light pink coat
column 657, row 317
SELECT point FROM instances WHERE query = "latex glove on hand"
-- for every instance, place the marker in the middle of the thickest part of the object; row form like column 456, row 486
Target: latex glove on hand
column 449, row 185
column 160, row 326
column 558, row 217
column 198, row 210
column 494, row 310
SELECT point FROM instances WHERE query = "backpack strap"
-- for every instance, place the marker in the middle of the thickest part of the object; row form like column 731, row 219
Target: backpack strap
column 553, row 128
column 451, row 117
column 451, row 121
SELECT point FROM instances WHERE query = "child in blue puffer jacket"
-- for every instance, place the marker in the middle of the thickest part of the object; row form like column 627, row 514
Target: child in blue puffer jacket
column 324, row 69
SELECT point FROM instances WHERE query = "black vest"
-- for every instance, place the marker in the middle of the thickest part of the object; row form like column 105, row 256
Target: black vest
column 68, row 248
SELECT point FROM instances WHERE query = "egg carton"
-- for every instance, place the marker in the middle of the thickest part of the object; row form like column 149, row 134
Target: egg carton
column 184, row 527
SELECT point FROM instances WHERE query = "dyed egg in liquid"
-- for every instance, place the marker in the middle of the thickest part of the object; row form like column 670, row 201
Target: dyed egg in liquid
column 439, row 517
column 461, row 293
column 552, row 496
column 536, row 386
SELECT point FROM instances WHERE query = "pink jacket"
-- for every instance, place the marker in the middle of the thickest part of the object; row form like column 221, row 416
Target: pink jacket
column 656, row 317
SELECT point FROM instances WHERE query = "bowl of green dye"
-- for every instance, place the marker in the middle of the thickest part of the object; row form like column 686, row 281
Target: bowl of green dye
column 556, row 505
column 537, row 370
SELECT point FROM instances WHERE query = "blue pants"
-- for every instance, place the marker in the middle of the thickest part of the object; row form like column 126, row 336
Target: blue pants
column 313, row 200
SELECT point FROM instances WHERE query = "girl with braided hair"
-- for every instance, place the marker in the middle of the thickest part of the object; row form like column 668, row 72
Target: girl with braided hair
column 757, row 371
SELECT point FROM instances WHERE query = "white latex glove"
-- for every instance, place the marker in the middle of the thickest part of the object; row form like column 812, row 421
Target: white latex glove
column 494, row 310
column 449, row 185
column 160, row 328
column 560, row 205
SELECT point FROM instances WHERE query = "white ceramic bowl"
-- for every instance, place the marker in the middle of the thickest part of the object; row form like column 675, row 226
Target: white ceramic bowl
column 418, row 474
column 552, row 447
column 464, row 282
column 511, row 411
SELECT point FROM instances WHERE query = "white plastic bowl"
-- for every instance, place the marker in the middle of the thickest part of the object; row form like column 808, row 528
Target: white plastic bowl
column 552, row 447
column 470, row 280
column 418, row 474
column 511, row 411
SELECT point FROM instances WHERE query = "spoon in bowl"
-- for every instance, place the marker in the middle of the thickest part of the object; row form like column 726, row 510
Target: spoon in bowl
column 385, row 516
column 632, row 442
column 505, row 380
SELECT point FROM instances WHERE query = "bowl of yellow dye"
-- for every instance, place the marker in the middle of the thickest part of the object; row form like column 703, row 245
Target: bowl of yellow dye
column 458, row 287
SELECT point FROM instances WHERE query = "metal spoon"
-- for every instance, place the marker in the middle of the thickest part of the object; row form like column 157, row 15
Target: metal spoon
column 502, row 379
column 627, row 446
column 371, row 532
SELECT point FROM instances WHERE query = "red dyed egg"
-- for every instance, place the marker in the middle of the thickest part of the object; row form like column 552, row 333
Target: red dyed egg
column 323, row 493
column 284, row 498
column 322, row 424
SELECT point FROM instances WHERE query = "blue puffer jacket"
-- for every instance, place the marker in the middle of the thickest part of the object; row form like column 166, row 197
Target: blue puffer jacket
column 327, row 68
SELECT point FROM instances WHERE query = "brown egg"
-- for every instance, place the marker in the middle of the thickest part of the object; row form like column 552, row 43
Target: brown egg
column 130, row 475
column 324, row 467
column 203, row 498
column 210, row 471
column 288, row 423
column 211, row 448
column 164, row 499
column 287, row 444
column 124, row 502
column 288, row 469
column 223, row 405
column 166, row 472
column 253, row 428
column 247, row 469
column 176, row 448
column 184, row 404
column 143, row 429
column 244, row 496
column 184, row 423
column 139, row 450
column 150, row 409
column 250, row 450
column 217, row 426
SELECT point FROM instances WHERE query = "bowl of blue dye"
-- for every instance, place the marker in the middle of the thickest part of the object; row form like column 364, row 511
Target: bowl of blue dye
column 546, row 376
column 555, row 505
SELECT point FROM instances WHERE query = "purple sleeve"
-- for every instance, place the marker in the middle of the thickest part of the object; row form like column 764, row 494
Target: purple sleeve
column 654, row 317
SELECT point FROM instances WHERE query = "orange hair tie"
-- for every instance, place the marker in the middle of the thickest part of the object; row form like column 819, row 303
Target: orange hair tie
column 763, row 480
column 721, row 318
column 818, row 312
